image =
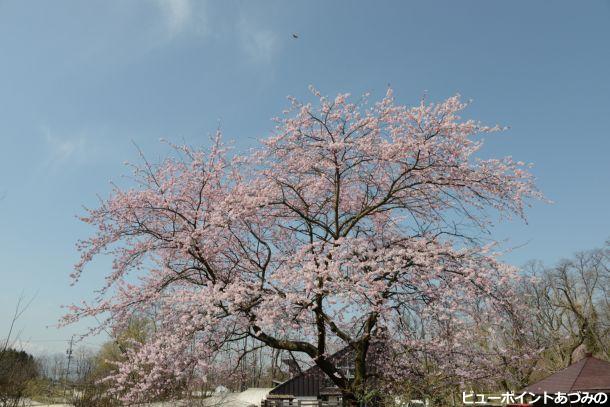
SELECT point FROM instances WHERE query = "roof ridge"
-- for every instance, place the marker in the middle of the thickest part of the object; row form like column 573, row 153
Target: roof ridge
column 586, row 358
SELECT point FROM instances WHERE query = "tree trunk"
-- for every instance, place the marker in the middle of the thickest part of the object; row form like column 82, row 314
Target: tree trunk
column 360, row 369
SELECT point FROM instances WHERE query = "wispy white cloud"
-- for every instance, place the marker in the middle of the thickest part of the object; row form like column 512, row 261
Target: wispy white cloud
column 176, row 13
column 61, row 149
column 259, row 43
column 180, row 16
column 175, row 20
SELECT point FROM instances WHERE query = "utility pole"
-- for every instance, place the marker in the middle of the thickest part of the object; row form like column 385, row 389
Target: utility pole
column 67, row 375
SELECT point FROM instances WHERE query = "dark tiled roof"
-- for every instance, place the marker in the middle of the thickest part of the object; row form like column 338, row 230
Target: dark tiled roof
column 310, row 382
column 588, row 374
column 313, row 381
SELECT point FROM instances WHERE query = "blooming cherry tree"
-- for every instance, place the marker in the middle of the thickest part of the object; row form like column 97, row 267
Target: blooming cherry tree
column 353, row 224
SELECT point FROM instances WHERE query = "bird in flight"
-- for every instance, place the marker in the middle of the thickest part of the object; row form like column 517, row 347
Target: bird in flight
column 295, row 35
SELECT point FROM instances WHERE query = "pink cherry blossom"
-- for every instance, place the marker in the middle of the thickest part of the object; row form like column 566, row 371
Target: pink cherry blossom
column 352, row 224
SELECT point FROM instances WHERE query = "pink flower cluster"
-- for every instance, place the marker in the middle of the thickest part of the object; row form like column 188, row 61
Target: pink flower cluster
column 351, row 223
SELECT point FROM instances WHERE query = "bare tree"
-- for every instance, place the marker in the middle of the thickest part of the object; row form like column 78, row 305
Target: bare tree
column 11, row 338
column 572, row 304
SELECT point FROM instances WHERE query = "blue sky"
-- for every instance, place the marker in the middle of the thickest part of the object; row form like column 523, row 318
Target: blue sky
column 80, row 82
